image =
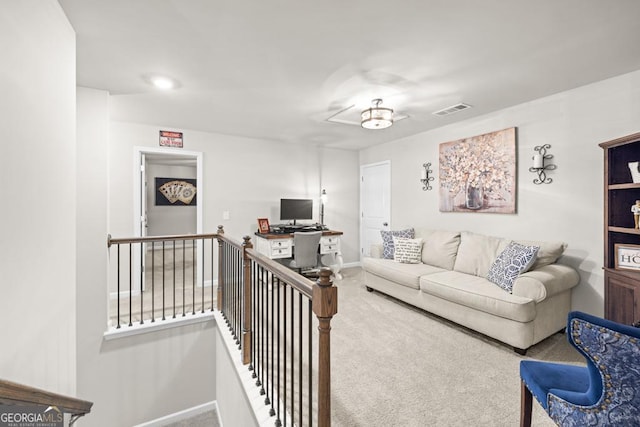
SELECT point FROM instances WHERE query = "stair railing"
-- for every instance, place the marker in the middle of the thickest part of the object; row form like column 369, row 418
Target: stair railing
column 22, row 395
column 269, row 310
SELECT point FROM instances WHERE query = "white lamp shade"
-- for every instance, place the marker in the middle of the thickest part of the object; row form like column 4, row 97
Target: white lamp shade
column 377, row 118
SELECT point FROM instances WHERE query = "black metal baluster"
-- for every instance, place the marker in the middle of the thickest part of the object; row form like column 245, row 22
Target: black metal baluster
column 310, row 328
column 163, row 281
column 153, row 281
column 142, row 264
column 193, row 278
column 184, row 268
column 239, row 270
column 174, row 279
column 130, row 284
column 118, row 292
column 212, row 276
column 284, row 353
column 262, row 334
column 234, row 318
column 300, row 371
column 253, row 318
column 272, row 411
column 277, row 366
column 202, row 281
column 293, row 368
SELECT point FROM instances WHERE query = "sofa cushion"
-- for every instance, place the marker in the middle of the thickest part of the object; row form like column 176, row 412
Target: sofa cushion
column 407, row 251
column 440, row 247
column 403, row 274
column 478, row 293
column 548, row 253
column 387, row 240
column 512, row 261
column 477, row 252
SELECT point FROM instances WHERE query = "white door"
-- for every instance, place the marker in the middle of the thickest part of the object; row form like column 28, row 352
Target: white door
column 375, row 203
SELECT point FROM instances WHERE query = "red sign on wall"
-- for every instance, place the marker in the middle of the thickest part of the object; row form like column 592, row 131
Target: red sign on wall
column 170, row 139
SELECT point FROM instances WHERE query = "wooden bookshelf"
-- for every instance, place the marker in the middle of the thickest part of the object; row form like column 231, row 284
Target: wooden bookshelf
column 622, row 286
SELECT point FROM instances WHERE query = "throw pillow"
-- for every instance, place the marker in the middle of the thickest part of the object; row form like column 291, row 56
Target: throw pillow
column 408, row 251
column 512, row 261
column 387, row 240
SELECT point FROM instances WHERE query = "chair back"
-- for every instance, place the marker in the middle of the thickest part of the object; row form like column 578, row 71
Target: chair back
column 305, row 248
column 612, row 352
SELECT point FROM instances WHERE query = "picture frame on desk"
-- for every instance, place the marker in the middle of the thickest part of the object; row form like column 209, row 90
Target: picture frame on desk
column 627, row 257
column 263, row 225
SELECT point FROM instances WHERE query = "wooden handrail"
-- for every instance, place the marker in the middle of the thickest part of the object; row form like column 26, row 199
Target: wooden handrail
column 19, row 394
column 112, row 241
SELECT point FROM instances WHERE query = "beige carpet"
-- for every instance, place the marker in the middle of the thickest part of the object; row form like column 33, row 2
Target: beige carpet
column 393, row 365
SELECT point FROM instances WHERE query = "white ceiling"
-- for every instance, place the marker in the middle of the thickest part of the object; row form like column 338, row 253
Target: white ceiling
column 278, row 69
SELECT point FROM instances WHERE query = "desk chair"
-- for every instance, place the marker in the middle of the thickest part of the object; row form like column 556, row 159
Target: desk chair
column 305, row 250
column 605, row 392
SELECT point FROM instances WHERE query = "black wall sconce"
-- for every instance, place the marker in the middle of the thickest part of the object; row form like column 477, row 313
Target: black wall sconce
column 540, row 164
column 426, row 177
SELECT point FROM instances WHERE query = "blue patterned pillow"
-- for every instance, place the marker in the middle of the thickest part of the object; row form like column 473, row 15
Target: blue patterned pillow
column 513, row 260
column 387, row 240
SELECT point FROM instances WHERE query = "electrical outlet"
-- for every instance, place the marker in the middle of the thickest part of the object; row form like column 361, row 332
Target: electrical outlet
column 225, row 215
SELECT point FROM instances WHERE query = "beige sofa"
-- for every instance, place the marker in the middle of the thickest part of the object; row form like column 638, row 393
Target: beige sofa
column 450, row 281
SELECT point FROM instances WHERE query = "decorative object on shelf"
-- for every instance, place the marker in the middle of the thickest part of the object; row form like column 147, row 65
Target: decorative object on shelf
column 376, row 117
column 627, row 257
column 478, row 174
column 636, row 213
column 539, row 164
column 263, row 225
column 634, row 167
column 323, row 201
column 426, row 177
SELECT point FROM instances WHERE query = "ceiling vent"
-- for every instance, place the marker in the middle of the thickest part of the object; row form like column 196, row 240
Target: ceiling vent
column 451, row 110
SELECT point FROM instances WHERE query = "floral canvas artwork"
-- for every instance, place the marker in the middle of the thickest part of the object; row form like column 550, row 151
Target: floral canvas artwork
column 478, row 174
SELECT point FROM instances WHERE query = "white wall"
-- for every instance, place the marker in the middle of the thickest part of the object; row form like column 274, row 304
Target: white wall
column 569, row 209
column 140, row 378
column 247, row 178
column 38, row 214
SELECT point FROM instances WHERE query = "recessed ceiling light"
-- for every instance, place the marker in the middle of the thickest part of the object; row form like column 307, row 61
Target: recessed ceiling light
column 163, row 83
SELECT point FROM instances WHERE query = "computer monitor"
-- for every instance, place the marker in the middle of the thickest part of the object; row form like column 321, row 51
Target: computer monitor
column 294, row 209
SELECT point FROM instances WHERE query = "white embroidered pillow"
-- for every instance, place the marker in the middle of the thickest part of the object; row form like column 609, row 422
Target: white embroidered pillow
column 512, row 261
column 408, row 251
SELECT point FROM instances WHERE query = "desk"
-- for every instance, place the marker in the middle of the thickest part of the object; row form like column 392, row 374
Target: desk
column 276, row 246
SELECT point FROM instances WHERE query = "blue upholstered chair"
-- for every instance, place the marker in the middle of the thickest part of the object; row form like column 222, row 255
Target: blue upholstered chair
column 605, row 392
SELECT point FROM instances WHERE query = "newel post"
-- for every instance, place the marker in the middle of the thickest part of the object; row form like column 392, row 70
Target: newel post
column 246, row 302
column 220, row 262
column 325, row 306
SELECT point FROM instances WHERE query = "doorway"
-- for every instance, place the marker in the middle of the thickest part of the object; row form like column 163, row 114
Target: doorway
column 152, row 220
column 375, row 203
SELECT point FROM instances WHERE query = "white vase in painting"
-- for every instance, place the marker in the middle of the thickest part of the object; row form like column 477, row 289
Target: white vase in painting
column 635, row 172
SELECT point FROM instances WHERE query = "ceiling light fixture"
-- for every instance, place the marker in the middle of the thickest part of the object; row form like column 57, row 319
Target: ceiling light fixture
column 377, row 117
column 163, row 83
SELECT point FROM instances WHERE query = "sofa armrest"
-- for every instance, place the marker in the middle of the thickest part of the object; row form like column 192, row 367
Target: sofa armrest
column 376, row 250
column 545, row 282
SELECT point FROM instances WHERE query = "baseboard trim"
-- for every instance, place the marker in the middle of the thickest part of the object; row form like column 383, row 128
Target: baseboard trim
column 183, row 415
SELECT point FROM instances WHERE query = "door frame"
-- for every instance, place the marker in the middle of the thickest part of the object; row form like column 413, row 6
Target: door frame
column 138, row 187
